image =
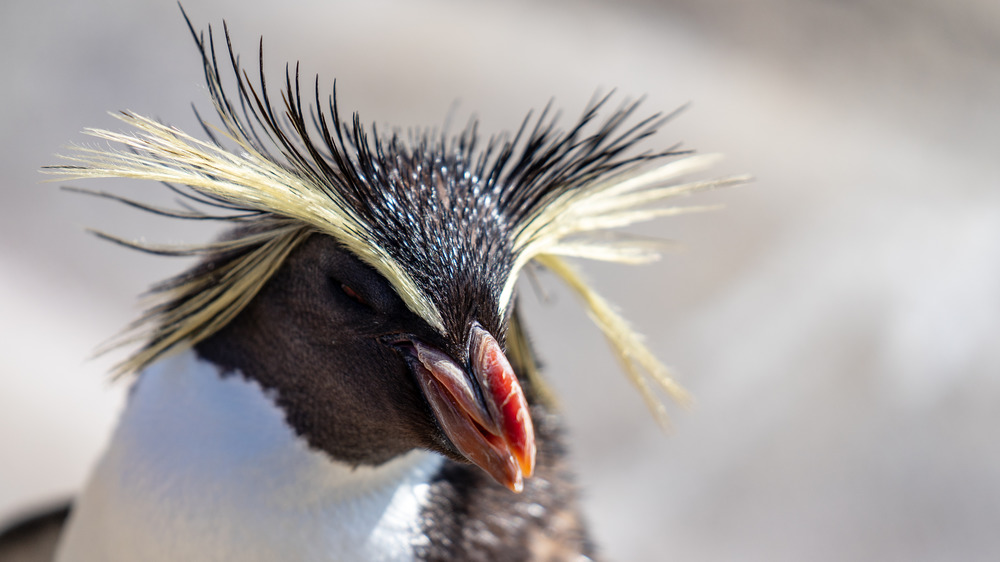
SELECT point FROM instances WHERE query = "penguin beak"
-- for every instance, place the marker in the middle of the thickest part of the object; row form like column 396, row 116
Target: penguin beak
column 483, row 412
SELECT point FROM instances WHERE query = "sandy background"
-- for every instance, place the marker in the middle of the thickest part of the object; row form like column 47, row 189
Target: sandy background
column 838, row 322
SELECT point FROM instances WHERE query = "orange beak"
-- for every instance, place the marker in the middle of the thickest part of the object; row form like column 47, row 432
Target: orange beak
column 484, row 413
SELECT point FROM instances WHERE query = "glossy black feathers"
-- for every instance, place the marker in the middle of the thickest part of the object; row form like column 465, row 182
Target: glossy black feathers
column 446, row 209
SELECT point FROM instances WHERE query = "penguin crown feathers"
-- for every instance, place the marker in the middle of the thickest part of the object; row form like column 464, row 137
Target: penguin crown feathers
column 450, row 222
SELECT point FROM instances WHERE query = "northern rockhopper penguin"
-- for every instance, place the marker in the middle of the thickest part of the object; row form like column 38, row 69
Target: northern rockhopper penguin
column 344, row 375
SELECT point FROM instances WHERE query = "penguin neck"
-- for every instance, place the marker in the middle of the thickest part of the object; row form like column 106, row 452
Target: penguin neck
column 204, row 466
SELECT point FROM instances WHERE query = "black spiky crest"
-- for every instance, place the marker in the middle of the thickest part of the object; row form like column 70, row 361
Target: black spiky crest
column 448, row 221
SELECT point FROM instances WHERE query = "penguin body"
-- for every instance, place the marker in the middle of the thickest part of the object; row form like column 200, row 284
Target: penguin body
column 205, row 464
column 345, row 374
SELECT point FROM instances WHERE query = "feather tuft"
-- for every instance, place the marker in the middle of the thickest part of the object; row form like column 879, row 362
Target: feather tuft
column 450, row 222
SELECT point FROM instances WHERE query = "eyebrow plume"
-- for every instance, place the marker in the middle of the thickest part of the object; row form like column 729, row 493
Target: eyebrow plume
column 444, row 219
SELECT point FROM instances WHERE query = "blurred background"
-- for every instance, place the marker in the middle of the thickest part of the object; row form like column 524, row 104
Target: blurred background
column 838, row 321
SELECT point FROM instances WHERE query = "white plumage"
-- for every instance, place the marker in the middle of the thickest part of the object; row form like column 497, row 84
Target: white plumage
column 229, row 480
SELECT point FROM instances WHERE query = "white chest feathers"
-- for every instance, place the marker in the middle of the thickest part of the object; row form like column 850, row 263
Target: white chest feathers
column 203, row 467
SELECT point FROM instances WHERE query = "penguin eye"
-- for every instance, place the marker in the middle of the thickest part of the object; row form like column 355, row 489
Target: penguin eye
column 353, row 295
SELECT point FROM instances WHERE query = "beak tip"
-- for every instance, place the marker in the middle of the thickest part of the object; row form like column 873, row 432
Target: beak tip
column 516, row 484
column 526, row 460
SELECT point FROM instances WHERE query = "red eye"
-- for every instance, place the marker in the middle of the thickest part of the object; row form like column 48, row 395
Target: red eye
column 353, row 294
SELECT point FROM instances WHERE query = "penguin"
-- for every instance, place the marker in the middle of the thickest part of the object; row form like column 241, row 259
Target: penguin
column 345, row 375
